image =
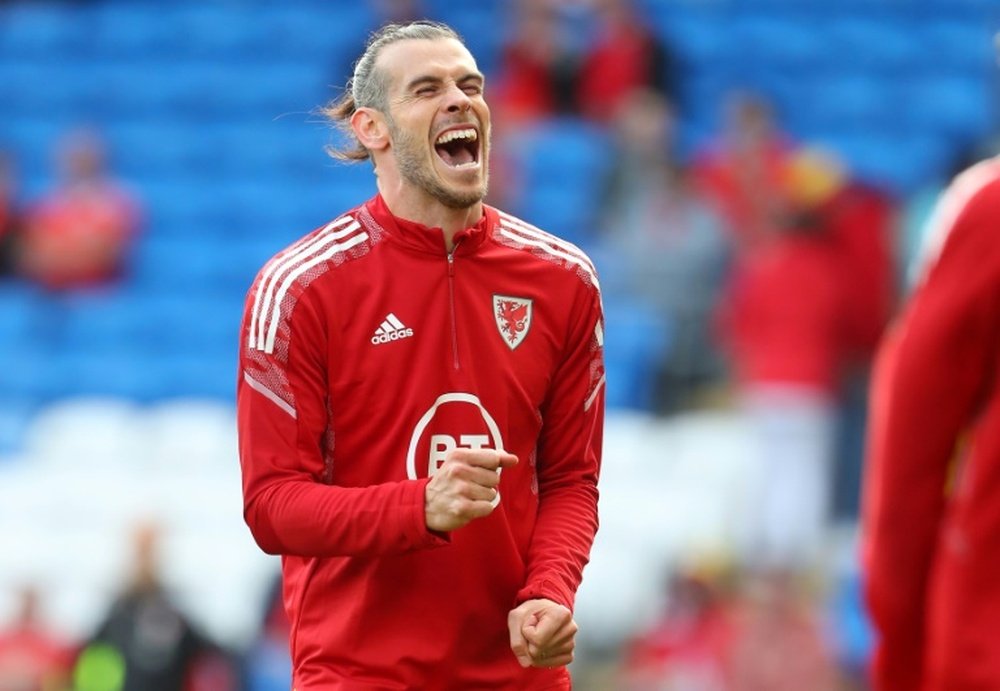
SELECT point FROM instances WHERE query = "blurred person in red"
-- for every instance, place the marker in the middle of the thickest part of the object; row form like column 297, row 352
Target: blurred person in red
column 392, row 363
column 623, row 56
column 931, row 497
column 31, row 658
column 79, row 234
column 689, row 646
column 785, row 327
column 674, row 243
column 743, row 169
column 778, row 641
column 536, row 72
column 10, row 216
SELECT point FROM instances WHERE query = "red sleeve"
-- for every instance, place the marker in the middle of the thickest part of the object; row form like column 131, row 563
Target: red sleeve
column 929, row 382
column 282, row 415
column 569, row 458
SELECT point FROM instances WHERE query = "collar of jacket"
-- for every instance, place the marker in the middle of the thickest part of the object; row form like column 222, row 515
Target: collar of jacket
column 426, row 239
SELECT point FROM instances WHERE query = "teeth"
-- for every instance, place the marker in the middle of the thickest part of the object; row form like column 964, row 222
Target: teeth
column 452, row 135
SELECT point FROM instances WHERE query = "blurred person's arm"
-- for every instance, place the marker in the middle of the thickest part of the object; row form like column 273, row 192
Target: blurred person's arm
column 932, row 375
column 290, row 504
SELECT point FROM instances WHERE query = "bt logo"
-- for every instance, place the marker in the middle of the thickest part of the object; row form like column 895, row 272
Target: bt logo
column 455, row 420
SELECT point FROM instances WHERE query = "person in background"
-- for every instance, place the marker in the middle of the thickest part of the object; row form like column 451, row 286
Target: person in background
column 743, row 169
column 624, row 56
column 10, row 216
column 674, row 243
column 931, row 492
column 145, row 642
column 420, row 403
column 536, row 74
column 688, row 647
column 31, row 659
column 80, row 233
column 784, row 325
column 777, row 641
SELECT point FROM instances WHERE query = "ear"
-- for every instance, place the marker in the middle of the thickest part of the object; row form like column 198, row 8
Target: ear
column 370, row 128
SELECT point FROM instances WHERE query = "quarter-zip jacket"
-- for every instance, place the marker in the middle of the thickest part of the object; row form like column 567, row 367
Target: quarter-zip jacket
column 367, row 352
column 931, row 519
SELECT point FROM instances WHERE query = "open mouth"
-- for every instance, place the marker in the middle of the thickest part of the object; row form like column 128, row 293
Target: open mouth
column 458, row 148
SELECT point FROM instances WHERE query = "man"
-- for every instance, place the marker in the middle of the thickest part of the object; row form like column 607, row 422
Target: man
column 932, row 493
column 420, row 405
column 80, row 233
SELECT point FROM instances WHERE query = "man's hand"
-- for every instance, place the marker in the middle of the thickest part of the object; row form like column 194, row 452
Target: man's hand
column 542, row 634
column 464, row 487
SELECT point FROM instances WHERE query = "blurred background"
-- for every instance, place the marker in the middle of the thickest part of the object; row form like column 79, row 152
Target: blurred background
column 751, row 177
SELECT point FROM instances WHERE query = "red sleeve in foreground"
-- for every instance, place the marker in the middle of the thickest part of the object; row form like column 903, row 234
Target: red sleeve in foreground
column 928, row 383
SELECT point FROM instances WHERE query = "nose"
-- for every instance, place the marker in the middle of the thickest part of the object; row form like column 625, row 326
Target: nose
column 457, row 101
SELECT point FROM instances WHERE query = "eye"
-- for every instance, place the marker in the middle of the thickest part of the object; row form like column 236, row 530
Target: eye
column 472, row 89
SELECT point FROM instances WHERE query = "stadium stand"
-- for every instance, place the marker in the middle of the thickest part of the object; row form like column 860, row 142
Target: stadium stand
column 209, row 111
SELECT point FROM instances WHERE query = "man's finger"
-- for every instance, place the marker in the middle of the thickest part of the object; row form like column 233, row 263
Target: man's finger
column 517, row 643
column 543, row 629
column 484, row 458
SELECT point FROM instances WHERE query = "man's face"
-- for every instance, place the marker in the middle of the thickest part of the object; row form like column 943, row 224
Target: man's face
column 438, row 121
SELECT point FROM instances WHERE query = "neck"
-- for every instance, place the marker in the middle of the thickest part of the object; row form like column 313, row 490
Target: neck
column 423, row 209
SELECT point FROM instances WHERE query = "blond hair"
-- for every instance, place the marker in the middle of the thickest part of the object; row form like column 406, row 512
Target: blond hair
column 367, row 86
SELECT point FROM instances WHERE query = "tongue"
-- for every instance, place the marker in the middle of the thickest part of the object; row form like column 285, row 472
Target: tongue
column 454, row 153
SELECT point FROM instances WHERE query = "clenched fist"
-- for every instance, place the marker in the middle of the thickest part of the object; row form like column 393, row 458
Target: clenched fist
column 465, row 487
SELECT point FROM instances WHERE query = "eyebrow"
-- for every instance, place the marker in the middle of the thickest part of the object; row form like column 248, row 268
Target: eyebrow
column 430, row 79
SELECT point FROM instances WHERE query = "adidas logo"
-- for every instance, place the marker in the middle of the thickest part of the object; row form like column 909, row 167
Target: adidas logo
column 391, row 330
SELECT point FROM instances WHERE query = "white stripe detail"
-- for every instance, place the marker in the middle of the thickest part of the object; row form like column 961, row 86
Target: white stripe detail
column 554, row 240
column 268, row 394
column 587, row 268
column 394, row 321
column 385, row 327
column 284, row 261
column 944, row 216
column 290, row 279
column 590, row 399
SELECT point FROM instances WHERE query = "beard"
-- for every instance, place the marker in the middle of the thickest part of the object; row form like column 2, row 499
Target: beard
column 417, row 171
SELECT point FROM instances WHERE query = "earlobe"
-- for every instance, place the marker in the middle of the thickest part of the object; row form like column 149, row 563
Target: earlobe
column 370, row 128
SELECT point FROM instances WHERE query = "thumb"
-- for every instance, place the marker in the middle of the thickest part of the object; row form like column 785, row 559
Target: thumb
column 505, row 459
column 518, row 644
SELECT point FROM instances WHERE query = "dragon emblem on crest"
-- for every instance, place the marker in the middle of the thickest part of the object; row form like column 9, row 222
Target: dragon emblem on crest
column 513, row 318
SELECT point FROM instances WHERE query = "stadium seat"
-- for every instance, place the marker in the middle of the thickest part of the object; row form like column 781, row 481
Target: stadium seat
column 956, row 46
column 636, row 341
column 43, row 32
column 847, row 101
column 779, row 41
column 878, row 47
column 960, row 108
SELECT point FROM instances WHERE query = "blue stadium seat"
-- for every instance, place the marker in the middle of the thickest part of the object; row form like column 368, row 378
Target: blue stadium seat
column 958, row 107
column 19, row 313
column 847, row 101
column 636, row 340
column 877, row 46
column 777, row 40
column 43, row 32
column 958, row 47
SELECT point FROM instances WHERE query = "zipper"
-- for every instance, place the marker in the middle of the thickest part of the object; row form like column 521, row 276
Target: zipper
column 451, row 306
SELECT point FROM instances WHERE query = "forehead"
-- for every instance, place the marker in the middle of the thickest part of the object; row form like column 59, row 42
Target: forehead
column 441, row 57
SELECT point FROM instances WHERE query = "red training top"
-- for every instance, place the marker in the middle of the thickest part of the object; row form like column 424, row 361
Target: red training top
column 367, row 353
column 932, row 493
